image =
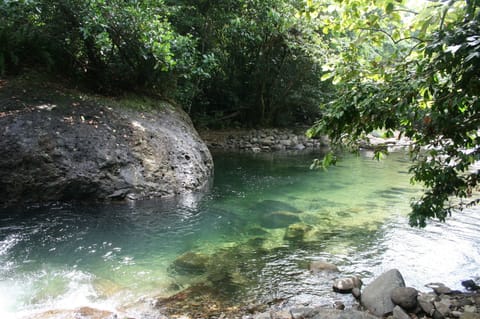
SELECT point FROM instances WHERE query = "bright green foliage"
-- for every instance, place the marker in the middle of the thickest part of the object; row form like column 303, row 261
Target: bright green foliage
column 418, row 75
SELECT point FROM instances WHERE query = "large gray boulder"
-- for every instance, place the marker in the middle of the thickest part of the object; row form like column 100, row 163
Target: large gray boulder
column 81, row 150
column 376, row 297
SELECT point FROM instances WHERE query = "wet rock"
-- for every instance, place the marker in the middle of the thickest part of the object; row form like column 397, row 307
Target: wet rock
column 376, row 296
column 346, row 285
column 405, row 297
column 470, row 285
column 191, row 263
column 317, row 266
column 296, row 232
column 399, row 313
column 279, row 219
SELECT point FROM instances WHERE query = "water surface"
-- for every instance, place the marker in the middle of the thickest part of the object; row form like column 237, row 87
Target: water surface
column 120, row 257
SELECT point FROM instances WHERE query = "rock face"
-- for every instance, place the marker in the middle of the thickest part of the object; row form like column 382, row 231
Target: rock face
column 87, row 151
column 376, row 297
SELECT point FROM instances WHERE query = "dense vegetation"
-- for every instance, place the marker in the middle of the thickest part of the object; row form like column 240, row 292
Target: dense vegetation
column 355, row 65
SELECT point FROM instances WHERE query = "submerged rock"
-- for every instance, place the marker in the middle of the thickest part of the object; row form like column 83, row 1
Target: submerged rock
column 320, row 266
column 279, row 219
column 81, row 150
column 270, row 206
column 296, row 232
column 191, row 263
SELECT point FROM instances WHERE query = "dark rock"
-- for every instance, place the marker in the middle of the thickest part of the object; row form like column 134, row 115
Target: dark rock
column 320, row 266
column 437, row 315
column 399, row 313
column 339, row 305
column 296, row 231
column 357, row 293
column 376, row 296
column 94, row 152
column 405, row 297
column 279, row 219
column 470, row 285
column 346, row 285
column 191, row 263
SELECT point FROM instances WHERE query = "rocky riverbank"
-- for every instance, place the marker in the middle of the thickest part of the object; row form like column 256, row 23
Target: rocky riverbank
column 261, row 140
column 290, row 140
column 387, row 296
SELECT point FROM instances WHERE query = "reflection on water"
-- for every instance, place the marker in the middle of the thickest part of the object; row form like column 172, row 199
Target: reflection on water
column 239, row 239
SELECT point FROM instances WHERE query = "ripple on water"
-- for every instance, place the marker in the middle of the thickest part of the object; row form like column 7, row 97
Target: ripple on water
column 110, row 256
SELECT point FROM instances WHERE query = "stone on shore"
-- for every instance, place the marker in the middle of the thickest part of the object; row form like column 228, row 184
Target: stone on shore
column 405, row 297
column 346, row 285
column 376, row 297
column 399, row 313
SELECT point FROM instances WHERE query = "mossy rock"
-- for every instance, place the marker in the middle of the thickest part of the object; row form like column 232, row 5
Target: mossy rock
column 296, row 232
column 279, row 219
column 191, row 263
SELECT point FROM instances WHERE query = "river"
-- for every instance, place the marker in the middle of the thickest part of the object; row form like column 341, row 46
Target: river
column 121, row 257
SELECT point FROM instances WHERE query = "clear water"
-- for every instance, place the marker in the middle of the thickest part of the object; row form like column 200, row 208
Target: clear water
column 119, row 257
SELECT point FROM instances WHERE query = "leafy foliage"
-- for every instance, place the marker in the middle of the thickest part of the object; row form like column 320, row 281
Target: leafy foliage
column 112, row 44
column 422, row 80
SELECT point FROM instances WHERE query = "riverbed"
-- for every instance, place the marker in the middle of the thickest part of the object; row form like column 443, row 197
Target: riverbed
column 122, row 257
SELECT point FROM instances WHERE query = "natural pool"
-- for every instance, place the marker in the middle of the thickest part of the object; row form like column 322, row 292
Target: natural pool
column 119, row 257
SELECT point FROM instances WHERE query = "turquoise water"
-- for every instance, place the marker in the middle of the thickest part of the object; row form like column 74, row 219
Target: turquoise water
column 120, row 257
